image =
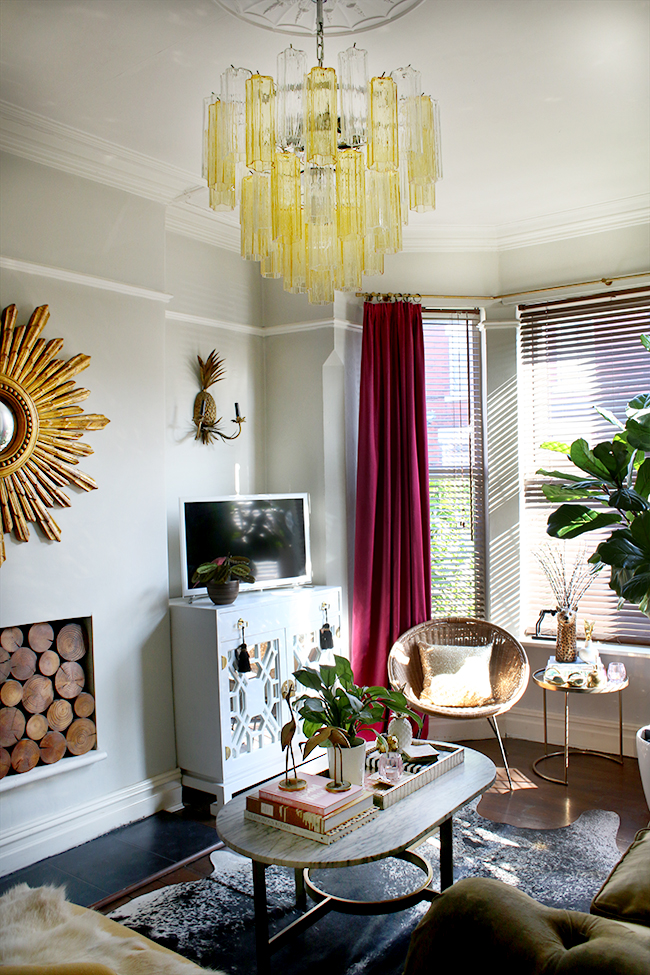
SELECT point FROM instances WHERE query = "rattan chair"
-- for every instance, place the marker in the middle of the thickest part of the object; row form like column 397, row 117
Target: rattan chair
column 509, row 669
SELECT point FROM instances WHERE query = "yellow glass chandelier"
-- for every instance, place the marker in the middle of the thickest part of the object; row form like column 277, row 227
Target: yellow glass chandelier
column 324, row 169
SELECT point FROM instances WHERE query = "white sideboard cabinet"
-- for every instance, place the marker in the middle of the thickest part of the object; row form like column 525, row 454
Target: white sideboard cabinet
column 228, row 723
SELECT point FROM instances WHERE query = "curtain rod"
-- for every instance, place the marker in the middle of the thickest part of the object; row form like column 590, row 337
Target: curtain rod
column 513, row 294
column 387, row 296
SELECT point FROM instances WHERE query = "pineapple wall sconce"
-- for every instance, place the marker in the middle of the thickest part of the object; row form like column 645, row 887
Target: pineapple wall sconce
column 205, row 408
column 41, row 423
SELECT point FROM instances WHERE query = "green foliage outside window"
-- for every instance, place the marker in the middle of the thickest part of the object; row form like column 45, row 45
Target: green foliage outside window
column 453, row 589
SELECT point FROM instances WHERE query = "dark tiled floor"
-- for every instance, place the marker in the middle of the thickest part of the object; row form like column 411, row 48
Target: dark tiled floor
column 125, row 857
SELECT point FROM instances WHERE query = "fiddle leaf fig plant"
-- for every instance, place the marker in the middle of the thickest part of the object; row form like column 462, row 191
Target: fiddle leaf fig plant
column 616, row 490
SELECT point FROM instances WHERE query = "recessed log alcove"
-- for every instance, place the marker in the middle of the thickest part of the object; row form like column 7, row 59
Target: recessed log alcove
column 47, row 694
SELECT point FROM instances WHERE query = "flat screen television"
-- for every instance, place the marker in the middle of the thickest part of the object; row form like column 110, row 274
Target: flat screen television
column 272, row 530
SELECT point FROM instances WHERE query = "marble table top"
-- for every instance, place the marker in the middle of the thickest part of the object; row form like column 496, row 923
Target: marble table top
column 402, row 825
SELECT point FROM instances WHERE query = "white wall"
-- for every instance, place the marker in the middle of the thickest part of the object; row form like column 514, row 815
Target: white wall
column 590, row 257
column 438, row 273
column 112, row 562
column 211, row 285
column 311, row 431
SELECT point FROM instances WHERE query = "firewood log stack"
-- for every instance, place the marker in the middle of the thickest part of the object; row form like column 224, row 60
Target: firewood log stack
column 45, row 707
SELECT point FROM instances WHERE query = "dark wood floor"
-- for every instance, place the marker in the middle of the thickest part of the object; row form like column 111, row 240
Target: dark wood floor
column 594, row 783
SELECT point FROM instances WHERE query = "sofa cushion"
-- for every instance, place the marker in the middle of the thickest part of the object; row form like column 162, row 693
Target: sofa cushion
column 625, row 895
column 479, row 919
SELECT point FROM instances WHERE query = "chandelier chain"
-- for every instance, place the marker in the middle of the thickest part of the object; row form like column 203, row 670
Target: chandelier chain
column 320, row 36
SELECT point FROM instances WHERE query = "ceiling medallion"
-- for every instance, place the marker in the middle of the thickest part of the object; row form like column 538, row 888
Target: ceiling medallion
column 40, row 426
column 298, row 16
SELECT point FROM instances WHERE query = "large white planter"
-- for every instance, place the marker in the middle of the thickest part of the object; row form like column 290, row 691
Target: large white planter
column 354, row 762
column 643, row 753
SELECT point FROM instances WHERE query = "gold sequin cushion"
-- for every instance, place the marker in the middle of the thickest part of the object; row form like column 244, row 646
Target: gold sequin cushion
column 456, row 676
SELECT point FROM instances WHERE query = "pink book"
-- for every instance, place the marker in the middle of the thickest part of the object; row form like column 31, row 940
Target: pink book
column 315, row 798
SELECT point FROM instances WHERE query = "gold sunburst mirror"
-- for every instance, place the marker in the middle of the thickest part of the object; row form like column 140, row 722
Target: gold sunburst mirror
column 40, row 426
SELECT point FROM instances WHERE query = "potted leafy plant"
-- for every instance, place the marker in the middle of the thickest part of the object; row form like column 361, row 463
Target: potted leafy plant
column 222, row 576
column 616, row 489
column 340, row 708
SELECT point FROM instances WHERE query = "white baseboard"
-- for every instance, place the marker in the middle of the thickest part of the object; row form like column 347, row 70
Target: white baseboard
column 597, row 736
column 45, row 837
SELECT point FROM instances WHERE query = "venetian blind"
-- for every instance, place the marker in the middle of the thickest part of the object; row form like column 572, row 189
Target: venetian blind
column 453, row 356
column 576, row 354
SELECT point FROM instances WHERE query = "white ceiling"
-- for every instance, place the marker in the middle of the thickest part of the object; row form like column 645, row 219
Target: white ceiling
column 544, row 103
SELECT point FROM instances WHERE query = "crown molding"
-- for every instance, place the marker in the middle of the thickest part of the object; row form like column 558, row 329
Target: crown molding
column 448, row 239
column 50, row 143
column 564, row 225
column 218, row 229
column 312, row 326
column 39, row 139
column 263, row 332
column 76, row 277
column 179, row 316
column 614, row 215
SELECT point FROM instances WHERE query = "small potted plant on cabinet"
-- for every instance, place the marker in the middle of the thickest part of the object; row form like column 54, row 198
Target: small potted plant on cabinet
column 222, row 576
column 334, row 715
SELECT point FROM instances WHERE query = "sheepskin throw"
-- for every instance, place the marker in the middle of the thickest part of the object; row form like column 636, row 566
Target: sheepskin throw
column 39, row 927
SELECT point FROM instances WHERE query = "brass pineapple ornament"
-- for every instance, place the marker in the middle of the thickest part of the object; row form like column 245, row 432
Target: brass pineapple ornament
column 205, row 408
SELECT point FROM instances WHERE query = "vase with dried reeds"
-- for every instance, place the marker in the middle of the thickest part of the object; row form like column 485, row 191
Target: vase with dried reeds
column 568, row 582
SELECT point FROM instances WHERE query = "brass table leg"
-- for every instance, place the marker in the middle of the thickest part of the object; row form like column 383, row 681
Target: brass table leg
column 620, row 726
column 576, row 751
column 566, row 737
column 301, row 894
column 565, row 750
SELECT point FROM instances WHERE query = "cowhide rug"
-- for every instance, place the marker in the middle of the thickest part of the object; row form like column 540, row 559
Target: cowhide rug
column 39, row 927
column 211, row 921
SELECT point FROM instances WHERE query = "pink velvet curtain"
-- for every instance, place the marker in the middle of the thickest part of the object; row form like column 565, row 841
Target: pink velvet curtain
column 392, row 565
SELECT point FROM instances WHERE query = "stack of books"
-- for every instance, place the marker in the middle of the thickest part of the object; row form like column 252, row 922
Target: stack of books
column 313, row 812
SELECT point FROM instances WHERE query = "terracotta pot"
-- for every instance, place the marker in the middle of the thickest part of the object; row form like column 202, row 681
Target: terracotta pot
column 223, row 594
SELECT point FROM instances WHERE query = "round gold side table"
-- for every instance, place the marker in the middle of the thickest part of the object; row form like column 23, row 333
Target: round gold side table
column 610, row 687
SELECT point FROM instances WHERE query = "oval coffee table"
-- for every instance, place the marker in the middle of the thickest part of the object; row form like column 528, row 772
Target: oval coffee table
column 392, row 833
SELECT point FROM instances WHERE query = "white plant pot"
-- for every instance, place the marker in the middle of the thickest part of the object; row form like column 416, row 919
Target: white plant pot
column 354, row 762
column 643, row 753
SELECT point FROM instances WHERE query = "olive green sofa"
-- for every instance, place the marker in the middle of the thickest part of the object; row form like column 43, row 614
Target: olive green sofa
column 479, row 923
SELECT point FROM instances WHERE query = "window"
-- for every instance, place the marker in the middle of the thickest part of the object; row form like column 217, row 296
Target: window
column 575, row 355
column 453, row 353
